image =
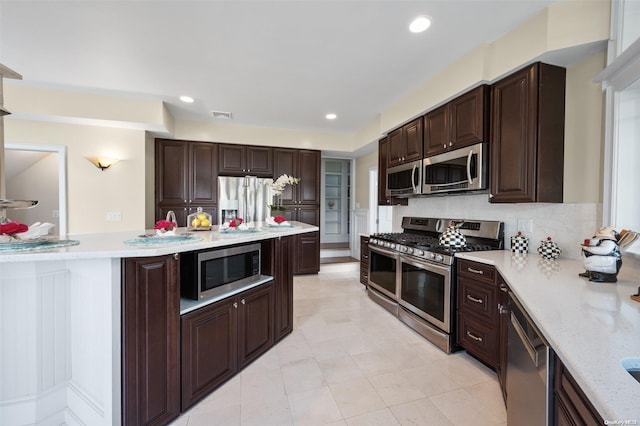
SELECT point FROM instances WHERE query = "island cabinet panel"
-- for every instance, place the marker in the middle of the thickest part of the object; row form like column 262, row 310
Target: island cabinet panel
column 527, row 136
column 383, row 155
column 209, row 350
column 572, row 407
column 240, row 160
column 150, row 341
column 277, row 261
column 477, row 311
column 220, row 339
column 186, row 178
column 461, row 122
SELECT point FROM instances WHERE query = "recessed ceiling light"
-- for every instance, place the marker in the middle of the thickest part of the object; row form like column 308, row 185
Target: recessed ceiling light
column 330, row 116
column 420, row 24
column 187, row 99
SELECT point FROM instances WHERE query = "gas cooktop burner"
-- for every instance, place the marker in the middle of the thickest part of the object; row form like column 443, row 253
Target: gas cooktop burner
column 420, row 238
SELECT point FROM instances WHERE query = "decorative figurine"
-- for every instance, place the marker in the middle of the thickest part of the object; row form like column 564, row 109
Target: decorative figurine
column 519, row 243
column 549, row 249
column 601, row 256
column 452, row 237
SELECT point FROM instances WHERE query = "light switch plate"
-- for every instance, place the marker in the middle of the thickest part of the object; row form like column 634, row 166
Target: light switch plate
column 114, row 217
column 525, row 225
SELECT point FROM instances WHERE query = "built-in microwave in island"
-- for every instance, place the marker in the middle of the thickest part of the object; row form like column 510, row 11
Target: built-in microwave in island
column 209, row 273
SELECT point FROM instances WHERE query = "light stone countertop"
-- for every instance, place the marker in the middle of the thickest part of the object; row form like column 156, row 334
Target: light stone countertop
column 590, row 326
column 112, row 245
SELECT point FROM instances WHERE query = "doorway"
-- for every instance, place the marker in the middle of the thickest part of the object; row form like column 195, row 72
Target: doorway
column 38, row 172
column 335, row 211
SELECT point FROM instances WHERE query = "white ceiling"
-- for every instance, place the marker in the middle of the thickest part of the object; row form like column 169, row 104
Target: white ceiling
column 271, row 63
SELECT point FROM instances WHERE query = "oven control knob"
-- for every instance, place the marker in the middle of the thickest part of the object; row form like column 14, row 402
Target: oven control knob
column 439, row 258
column 431, row 255
column 392, row 245
column 409, row 250
column 418, row 252
column 402, row 249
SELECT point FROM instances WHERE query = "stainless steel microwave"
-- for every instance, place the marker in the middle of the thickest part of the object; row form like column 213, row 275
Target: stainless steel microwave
column 463, row 169
column 404, row 180
column 209, row 273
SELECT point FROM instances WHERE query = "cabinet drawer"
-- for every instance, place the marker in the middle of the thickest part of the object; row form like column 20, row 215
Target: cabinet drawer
column 572, row 399
column 364, row 257
column 478, row 271
column 478, row 299
column 479, row 339
column 364, row 276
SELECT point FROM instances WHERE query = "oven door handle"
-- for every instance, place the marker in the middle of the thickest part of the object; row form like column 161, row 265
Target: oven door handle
column 428, row 266
column 386, row 252
column 469, row 166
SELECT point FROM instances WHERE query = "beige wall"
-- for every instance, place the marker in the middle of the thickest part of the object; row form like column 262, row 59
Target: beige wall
column 93, row 193
column 361, row 181
column 584, row 127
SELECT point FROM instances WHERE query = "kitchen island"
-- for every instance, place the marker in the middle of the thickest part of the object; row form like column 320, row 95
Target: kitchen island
column 61, row 322
column 590, row 326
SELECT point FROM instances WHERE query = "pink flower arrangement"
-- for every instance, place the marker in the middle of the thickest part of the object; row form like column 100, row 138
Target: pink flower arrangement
column 279, row 219
column 234, row 223
column 11, row 228
column 165, row 225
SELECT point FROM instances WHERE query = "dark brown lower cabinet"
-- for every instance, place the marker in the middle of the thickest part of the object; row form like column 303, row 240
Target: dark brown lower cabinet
column 364, row 260
column 150, row 340
column 307, row 257
column 277, row 261
column 218, row 340
column 503, row 333
column 571, row 404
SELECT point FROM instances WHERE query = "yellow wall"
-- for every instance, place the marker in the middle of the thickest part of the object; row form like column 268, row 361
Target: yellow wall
column 92, row 193
column 363, row 164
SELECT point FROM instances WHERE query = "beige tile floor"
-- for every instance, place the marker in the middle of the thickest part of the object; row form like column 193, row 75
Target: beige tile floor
column 349, row 362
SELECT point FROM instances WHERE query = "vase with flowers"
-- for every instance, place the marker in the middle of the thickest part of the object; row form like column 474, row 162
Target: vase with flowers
column 278, row 187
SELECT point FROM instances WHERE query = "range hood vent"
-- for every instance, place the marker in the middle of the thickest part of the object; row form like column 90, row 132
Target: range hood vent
column 221, row 115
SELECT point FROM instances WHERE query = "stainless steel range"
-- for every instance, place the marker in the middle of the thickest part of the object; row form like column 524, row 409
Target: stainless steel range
column 413, row 277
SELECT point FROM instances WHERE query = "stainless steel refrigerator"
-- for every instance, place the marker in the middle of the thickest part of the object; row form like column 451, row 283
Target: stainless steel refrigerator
column 246, row 197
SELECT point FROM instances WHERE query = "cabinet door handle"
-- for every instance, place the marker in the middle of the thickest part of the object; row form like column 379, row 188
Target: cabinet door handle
column 444, row 146
column 450, row 143
column 502, row 309
column 235, row 305
column 365, row 256
column 242, row 301
column 176, row 256
column 504, row 288
column 473, row 299
column 474, row 337
column 475, row 271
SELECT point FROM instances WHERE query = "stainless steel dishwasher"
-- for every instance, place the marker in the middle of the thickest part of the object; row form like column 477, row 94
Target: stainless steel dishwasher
column 529, row 371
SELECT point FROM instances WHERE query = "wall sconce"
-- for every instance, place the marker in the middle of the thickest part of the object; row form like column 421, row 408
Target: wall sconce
column 102, row 163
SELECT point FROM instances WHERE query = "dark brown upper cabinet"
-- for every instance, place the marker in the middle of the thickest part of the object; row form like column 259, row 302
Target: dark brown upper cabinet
column 405, row 143
column 303, row 164
column 527, row 136
column 461, row 122
column 383, row 155
column 186, row 178
column 240, row 160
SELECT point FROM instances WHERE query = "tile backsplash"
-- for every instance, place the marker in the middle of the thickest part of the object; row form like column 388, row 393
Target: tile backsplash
column 568, row 224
